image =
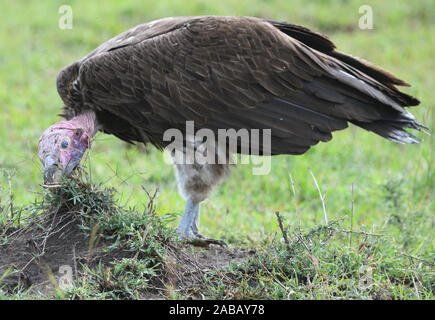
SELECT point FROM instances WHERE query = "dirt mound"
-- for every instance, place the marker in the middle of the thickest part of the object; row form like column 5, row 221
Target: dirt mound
column 35, row 253
column 82, row 235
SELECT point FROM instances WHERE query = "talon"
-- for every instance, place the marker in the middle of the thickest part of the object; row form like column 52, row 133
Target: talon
column 189, row 227
column 205, row 242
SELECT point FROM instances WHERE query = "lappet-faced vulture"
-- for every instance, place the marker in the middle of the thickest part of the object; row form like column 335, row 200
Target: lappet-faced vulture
column 221, row 73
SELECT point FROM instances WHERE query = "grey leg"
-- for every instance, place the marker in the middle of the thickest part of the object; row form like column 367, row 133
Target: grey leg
column 188, row 227
column 191, row 212
column 195, row 225
column 195, row 182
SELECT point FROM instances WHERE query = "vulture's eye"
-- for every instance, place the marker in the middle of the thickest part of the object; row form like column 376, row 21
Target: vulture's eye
column 64, row 144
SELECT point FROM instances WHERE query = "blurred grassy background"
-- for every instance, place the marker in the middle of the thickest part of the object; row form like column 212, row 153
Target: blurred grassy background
column 391, row 181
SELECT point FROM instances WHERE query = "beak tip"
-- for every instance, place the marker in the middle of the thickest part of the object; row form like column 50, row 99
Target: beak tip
column 52, row 175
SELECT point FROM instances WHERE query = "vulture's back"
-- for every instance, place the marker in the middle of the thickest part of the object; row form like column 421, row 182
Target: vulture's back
column 233, row 72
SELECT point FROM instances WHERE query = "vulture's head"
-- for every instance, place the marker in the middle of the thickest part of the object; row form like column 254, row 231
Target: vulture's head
column 61, row 147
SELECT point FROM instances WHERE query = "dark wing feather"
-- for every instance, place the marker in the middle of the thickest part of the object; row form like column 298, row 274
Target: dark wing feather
column 228, row 72
column 323, row 44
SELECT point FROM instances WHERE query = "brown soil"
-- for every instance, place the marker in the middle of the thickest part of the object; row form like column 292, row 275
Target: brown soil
column 35, row 256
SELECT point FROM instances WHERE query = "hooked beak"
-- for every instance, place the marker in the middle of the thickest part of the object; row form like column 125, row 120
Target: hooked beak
column 53, row 170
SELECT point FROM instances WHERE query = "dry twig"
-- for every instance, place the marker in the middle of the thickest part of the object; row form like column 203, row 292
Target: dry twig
column 284, row 233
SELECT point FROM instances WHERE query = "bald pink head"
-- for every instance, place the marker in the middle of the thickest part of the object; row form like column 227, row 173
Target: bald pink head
column 61, row 146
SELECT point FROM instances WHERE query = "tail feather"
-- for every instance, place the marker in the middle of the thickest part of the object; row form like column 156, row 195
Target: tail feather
column 394, row 130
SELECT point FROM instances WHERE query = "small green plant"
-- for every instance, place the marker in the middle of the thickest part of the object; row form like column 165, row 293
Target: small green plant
column 317, row 264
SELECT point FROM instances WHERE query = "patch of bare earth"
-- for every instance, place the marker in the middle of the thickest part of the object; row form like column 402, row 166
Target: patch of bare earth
column 40, row 255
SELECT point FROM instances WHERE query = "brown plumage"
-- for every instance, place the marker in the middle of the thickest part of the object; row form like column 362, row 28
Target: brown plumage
column 222, row 73
column 233, row 72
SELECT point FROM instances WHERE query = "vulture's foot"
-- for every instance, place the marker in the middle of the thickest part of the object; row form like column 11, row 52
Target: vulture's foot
column 202, row 241
column 195, row 238
column 205, row 242
column 189, row 227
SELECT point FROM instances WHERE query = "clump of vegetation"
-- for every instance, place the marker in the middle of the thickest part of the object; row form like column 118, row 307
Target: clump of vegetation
column 115, row 251
column 316, row 264
column 136, row 240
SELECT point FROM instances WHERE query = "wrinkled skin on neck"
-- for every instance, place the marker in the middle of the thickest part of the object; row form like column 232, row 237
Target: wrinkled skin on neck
column 62, row 146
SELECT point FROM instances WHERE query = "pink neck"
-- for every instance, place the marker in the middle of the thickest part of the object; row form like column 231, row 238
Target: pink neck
column 85, row 121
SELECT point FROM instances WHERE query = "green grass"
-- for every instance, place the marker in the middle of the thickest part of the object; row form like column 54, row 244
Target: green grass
column 393, row 184
column 125, row 248
column 131, row 254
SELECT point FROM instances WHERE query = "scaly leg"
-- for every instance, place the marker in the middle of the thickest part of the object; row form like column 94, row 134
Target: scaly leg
column 184, row 229
column 189, row 227
column 195, row 225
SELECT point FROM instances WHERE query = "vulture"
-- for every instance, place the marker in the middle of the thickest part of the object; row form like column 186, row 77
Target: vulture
column 219, row 72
